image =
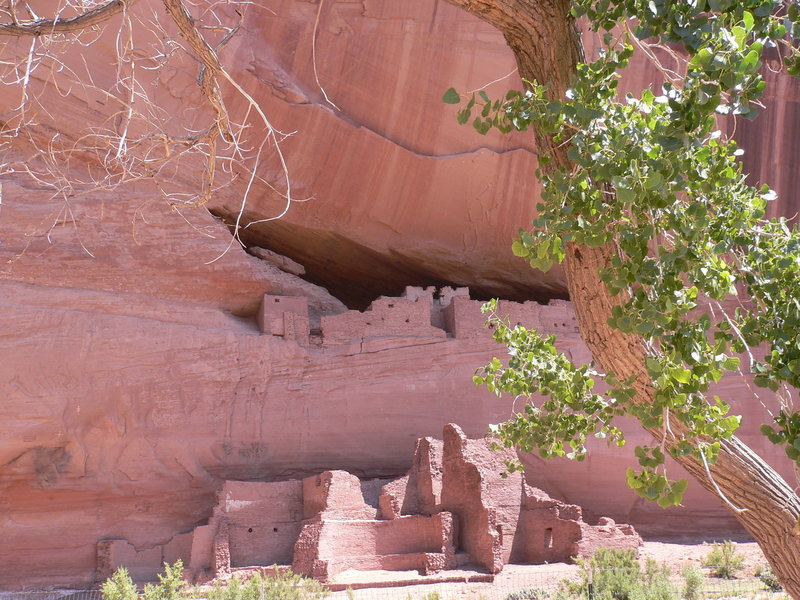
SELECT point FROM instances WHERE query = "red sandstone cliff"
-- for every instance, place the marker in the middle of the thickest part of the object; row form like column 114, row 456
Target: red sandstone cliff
column 134, row 379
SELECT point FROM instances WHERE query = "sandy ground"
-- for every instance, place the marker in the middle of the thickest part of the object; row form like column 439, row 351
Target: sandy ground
column 678, row 556
column 547, row 577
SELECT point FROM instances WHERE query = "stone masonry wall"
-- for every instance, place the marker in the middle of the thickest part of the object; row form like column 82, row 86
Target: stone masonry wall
column 419, row 313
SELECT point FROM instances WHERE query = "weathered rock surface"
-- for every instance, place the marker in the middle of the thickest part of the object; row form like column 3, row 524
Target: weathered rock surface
column 133, row 376
column 394, row 192
column 123, row 415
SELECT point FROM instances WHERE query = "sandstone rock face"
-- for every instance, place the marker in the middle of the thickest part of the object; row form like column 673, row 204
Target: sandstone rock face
column 125, row 414
column 394, row 192
column 135, row 379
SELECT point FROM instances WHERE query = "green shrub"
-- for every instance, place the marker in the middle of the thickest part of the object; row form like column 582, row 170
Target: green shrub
column 692, row 582
column 169, row 584
column 655, row 582
column 724, row 560
column 568, row 590
column 119, row 586
column 528, row 594
column 613, row 572
column 282, row 586
column 230, row 591
column 769, row 579
column 290, row 586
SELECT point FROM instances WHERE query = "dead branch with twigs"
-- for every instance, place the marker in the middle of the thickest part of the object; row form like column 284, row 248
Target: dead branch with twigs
column 137, row 134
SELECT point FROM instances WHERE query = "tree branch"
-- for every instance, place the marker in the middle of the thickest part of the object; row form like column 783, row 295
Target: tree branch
column 208, row 57
column 83, row 21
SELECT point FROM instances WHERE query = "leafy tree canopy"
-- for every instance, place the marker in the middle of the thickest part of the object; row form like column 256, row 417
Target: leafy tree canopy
column 652, row 174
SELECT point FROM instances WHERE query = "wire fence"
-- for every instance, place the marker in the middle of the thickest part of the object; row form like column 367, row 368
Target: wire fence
column 523, row 585
column 547, row 586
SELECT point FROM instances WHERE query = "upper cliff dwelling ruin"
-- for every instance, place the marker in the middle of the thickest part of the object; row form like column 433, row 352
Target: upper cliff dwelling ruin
column 419, row 313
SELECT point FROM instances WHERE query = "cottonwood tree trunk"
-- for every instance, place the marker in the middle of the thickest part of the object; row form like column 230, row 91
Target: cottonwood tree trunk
column 547, row 47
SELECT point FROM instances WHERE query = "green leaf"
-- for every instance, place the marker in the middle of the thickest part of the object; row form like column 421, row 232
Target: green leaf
column 654, row 180
column 739, row 34
column 667, row 501
column 626, row 196
column 749, row 63
column 681, row 375
column 653, row 366
column 451, row 96
column 633, row 481
column 747, row 19
column 702, row 59
column 519, row 249
column 482, row 126
column 731, row 363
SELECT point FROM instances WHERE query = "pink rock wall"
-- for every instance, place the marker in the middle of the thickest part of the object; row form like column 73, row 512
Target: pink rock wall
column 134, row 379
column 253, row 411
column 401, row 194
column 206, row 396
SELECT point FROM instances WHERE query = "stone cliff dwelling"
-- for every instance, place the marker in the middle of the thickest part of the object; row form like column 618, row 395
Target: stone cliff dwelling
column 452, row 509
column 419, row 313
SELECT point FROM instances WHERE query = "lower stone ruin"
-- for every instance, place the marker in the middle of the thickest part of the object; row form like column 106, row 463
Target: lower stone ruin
column 452, row 509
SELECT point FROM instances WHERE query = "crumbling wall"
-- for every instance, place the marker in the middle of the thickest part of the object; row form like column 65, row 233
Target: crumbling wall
column 342, row 532
column 409, row 316
column 605, row 533
column 501, row 519
column 264, row 520
column 143, row 564
column 420, row 491
column 284, row 316
column 337, row 494
column 453, row 507
column 486, row 507
column 420, row 312
column 327, row 546
column 547, row 531
column 464, row 319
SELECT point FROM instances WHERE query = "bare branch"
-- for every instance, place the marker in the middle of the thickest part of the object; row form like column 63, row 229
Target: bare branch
column 209, row 58
column 133, row 137
column 83, row 21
